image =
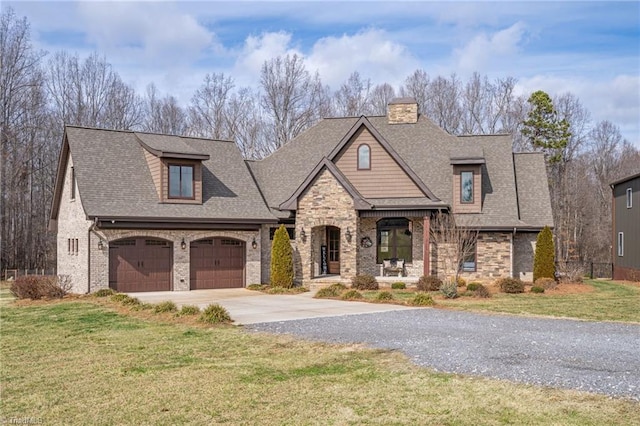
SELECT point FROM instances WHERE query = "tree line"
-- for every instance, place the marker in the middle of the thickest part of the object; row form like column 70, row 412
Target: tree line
column 40, row 92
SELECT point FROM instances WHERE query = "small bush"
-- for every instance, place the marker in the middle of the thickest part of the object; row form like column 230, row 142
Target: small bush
column 537, row 289
column 429, row 283
column 215, row 314
column 143, row 307
column 167, row 306
column 326, row 292
column 398, row 286
column 449, row 289
column 120, row 297
column 256, row 287
column 473, row 286
column 510, row 285
column 546, row 283
column 461, row 282
column 188, row 310
column 384, row 295
column 104, row 292
column 351, row 295
column 38, row 286
column 422, row 299
column 131, row 301
column 338, row 286
column 482, row 292
column 364, row 282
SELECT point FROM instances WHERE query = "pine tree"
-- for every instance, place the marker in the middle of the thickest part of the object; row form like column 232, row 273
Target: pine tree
column 544, row 259
column 543, row 128
column 281, row 259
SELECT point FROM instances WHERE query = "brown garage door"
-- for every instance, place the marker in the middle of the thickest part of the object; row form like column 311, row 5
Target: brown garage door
column 217, row 263
column 140, row 264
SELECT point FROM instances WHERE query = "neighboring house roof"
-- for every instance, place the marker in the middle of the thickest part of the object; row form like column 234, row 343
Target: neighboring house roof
column 114, row 180
column 625, row 179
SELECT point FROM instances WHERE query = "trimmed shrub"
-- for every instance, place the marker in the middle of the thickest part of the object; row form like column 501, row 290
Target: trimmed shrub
column 364, row 282
column 36, row 287
column 544, row 258
column 120, row 297
column 422, row 299
column 327, row 292
column 215, row 314
column 281, row 259
column 510, row 285
column 461, row 282
column 351, row 295
column 104, row 292
column 473, row 286
column 338, row 286
column 256, row 287
column 546, row 283
column 537, row 289
column 384, row 295
column 167, row 306
column 398, row 286
column 449, row 289
column 187, row 310
column 131, row 301
column 482, row 292
column 429, row 283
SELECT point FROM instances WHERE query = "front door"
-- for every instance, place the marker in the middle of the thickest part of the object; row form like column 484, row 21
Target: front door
column 333, row 243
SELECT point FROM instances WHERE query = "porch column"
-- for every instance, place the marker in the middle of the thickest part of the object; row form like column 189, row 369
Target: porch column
column 426, row 226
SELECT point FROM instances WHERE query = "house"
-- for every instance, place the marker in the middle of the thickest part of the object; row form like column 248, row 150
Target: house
column 142, row 212
column 626, row 228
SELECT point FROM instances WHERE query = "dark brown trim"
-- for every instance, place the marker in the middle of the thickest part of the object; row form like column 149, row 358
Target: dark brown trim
column 363, row 121
column 359, row 202
column 179, row 226
column 426, row 243
column 473, row 189
column 63, row 159
column 73, row 183
column 466, row 161
column 358, row 157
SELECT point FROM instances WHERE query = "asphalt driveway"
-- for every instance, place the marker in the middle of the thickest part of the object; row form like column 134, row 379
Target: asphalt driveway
column 250, row 307
column 589, row 356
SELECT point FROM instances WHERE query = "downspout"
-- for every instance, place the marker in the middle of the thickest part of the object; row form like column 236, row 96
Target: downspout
column 511, row 251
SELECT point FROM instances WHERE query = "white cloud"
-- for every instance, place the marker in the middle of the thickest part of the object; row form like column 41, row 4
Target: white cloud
column 371, row 52
column 484, row 48
column 150, row 33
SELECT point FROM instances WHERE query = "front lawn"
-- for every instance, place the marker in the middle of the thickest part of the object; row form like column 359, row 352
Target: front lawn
column 78, row 362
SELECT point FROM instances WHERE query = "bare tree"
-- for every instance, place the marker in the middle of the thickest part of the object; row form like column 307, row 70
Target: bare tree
column 454, row 244
column 246, row 125
column 352, row 99
column 207, row 113
column 163, row 115
column 290, row 98
column 380, row 97
column 417, row 86
column 444, row 106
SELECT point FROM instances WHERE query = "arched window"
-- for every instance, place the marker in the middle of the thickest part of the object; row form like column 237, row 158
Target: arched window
column 364, row 157
column 394, row 239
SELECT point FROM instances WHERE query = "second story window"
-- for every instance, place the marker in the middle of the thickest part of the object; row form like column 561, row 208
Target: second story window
column 364, row 157
column 73, row 183
column 629, row 198
column 181, row 181
column 466, row 187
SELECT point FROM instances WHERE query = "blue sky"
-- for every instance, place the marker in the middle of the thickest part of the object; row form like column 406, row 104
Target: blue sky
column 591, row 49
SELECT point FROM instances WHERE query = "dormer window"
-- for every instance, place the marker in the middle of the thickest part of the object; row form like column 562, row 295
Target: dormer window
column 364, row 157
column 181, row 181
column 466, row 187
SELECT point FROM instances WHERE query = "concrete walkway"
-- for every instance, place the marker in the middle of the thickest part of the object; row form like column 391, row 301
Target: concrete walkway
column 251, row 307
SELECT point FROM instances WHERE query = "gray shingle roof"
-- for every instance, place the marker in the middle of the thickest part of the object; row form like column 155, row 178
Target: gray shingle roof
column 427, row 150
column 114, row 179
column 533, row 191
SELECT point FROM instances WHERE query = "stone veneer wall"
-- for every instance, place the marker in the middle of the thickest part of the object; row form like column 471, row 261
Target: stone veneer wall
column 401, row 113
column 524, row 248
column 73, row 224
column 181, row 267
column 493, row 258
column 266, row 256
column 326, row 203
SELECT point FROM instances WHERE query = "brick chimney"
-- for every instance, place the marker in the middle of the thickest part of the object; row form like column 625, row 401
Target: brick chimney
column 403, row 111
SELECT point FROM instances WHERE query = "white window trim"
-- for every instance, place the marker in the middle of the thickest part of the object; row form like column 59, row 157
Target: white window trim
column 620, row 244
column 629, row 198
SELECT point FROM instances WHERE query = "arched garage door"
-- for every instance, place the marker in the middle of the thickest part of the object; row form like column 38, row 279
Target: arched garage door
column 217, row 263
column 140, row 264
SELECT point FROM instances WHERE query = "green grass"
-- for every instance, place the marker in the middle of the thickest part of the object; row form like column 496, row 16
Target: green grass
column 610, row 301
column 75, row 362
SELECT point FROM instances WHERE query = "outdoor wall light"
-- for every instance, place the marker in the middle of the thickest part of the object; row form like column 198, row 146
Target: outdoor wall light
column 183, row 245
column 254, row 243
column 348, row 234
column 303, row 234
column 100, row 244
